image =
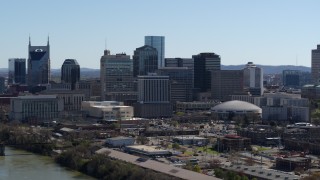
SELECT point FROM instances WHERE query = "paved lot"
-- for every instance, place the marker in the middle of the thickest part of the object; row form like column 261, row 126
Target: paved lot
column 157, row 166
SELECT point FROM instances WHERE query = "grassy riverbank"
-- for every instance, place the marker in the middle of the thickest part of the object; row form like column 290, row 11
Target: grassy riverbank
column 79, row 154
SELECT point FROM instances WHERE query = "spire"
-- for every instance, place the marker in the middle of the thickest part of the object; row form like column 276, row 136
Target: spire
column 48, row 40
column 29, row 40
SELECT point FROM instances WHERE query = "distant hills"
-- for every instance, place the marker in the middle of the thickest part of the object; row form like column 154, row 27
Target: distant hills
column 267, row 69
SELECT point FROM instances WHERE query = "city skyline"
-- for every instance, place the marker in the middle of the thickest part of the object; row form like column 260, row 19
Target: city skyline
column 267, row 33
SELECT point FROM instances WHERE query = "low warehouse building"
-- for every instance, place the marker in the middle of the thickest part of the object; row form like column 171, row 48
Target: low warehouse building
column 120, row 141
column 191, row 140
column 150, row 151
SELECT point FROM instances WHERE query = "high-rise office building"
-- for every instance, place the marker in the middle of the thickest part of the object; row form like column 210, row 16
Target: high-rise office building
column 38, row 64
column 291, row 78
column 153, row 97
column 179, row 62
column 17, row 71
column 226, row 83
column 204, row 63
column 2, row 85
column 181, row 85
column 253, row 79
column 158, row 43
column 315, row 65
column 145, row 60
column 116, row 74
column 70, row 72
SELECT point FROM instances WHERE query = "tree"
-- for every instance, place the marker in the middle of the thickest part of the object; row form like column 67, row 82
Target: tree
column 196, row 168
column 219, row 173
column 142, row 140
column 175, row 146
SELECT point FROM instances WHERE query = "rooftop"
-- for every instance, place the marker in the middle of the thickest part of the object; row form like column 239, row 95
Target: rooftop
column 190, row 137
column 236, row 106
column 120, row 138
column 262, row 172
column 149, row 149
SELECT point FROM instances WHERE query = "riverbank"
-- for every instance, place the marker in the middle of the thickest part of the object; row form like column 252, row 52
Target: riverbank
column 79, row 154
column 20, row 164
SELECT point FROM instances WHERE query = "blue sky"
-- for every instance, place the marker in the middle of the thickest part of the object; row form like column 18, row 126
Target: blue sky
column 269, row 32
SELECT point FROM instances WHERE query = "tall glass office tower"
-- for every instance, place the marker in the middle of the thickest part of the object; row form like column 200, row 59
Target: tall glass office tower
column 38, row 64
column 70, row 72
column 158, row 43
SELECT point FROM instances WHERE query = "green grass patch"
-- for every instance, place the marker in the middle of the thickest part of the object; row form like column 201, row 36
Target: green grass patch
column 189, row 153
column 208, row 150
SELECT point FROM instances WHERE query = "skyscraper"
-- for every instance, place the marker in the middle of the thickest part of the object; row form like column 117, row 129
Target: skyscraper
column 204, row 63
column 38, row 64
column 181, row 85
column 153, row 97
column 116, row 74
column 158, row 43
column 315, row 65
column 145, row 60
column 179, row 62
column 253, row 79
column 226, row 83
column 291, row 78
column 70, row 72
column 17, row 71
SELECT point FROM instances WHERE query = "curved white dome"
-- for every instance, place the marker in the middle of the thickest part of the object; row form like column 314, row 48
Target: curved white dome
column 236, row 106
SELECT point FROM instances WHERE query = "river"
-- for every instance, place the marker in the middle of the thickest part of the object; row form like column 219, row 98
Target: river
column 20, row 165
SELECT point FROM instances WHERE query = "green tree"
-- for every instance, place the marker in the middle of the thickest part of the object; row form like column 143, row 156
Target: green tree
column 196, row 168
column 142, row 140
column 175, row 146
column 219, row 173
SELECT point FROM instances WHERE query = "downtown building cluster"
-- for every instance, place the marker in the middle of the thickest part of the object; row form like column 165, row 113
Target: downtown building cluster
column 155, row 86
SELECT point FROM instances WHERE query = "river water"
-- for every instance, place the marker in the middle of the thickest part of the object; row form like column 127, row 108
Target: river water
column 18, row 164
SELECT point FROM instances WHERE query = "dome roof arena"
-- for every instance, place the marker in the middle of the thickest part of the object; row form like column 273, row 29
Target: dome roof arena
column 236, row 107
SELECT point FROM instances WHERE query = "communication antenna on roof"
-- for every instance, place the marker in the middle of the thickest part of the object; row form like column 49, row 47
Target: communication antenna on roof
column 105, row 43
column 48, row 39
column 29, row 40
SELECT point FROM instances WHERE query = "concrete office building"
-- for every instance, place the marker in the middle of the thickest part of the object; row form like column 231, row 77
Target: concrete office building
column 153, row 97
column 226, row 83
column 181, row 85
column 71, row 99
column 91, row 87
column 253, row 79
column 17, row 71
column 157, row 42
column 116, row 74
column 315, row 65
column 204, row 63
column 145, row 60
column 38, row 64
column 70, row 72
column 35, row 108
